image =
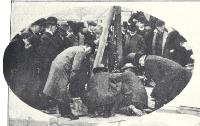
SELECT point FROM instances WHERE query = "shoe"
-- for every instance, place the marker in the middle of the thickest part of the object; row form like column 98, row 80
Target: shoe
column 93, row 114
column 106, row 115
column 112, row 113
column 71, row 116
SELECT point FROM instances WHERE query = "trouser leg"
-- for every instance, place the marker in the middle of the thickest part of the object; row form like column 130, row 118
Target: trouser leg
column 124, row 110
column 64, row 108
column 118, row 101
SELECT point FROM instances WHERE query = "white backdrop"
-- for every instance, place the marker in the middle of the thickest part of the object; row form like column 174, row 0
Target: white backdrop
column 182, row 16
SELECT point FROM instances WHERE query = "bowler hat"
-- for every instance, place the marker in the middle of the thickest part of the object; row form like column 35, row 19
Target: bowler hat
column 92, row 23
column 52, row 20
column 128, row 65
column 40, row 22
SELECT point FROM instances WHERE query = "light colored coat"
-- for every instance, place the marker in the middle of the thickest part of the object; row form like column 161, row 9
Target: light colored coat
column 66, row 62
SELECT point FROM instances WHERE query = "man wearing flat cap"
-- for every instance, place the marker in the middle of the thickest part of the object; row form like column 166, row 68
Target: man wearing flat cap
column 133, row 98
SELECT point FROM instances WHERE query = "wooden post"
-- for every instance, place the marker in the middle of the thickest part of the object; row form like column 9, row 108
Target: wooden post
column 103, row 38
column 118, row 32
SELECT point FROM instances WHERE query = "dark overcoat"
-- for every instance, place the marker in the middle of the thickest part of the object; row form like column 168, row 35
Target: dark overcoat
column 48, row 49
column 132, row 88
column 24, row 81
column 170, row 77
column 26, row 78
column 59, row 76
column 13, row 56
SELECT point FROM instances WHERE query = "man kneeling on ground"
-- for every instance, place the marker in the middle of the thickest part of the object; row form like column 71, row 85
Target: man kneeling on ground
column 133, row 96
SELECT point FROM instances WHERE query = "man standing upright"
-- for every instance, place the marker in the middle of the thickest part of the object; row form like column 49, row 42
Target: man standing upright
column 89, row 34
column 159, row 38
column 48, row 48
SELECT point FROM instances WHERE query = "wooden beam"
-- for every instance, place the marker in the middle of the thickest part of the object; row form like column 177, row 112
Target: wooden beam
column 103, row 38
column 118, row 28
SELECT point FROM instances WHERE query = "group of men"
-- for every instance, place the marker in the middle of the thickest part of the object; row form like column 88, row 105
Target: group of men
column 47, row 64
column 150, row 50
column 149, row 35
column 31, row 53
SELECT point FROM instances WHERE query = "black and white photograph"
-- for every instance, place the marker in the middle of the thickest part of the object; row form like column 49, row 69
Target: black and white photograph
column 97, row 65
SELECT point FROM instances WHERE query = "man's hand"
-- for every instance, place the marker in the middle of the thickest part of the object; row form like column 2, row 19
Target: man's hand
column 27, row 44
column 135, row 110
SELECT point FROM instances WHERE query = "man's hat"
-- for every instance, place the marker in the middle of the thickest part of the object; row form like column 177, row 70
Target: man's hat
column 128, row 65
column 40, row 22
column 52, row 20
column 92, row 23
column 134, row 58
column 130, row 57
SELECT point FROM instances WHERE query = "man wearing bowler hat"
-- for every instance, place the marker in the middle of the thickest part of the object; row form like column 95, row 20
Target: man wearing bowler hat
column 48, row 49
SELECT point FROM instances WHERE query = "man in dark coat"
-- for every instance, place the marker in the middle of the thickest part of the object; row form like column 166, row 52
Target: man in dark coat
column 13, row 56
column 159, row 39
column 48, row 48
column 89, row 34
column 64, row 69
column 18, row 62
column 66, row 34
column 170, row 77
column 134, row 96
column 15, row 52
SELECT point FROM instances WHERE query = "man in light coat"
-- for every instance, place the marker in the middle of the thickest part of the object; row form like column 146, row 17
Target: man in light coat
column 64, row 69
